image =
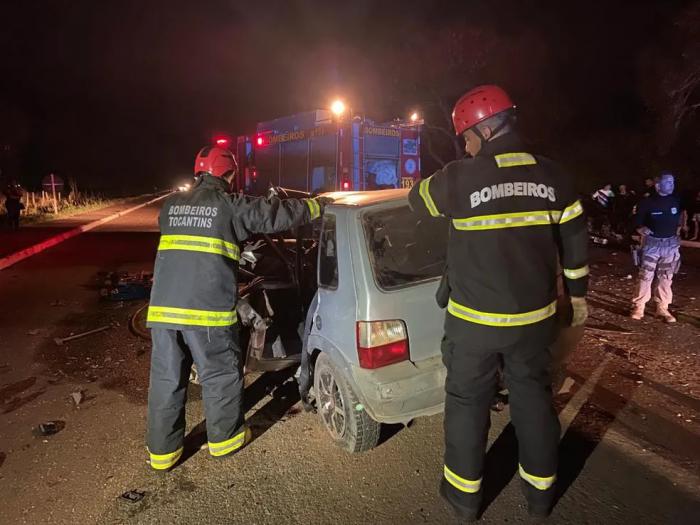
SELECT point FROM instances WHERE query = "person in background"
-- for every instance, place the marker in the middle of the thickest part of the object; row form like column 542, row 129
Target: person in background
column 622, row 210
column 649, row 188
column 604, row 196
column 602, row 208
column 658, row 220
column 694, row 214
column 13, row 204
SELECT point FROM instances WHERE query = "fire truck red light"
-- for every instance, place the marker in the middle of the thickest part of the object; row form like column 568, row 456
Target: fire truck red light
column 346, row 185
column 221, row 142
column 260, row 141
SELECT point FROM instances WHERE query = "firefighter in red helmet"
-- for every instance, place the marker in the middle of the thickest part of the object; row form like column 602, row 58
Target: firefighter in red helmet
column 514, row 217
column 192, row 312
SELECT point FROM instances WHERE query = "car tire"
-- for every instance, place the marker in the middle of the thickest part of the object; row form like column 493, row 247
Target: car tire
column 340, row 411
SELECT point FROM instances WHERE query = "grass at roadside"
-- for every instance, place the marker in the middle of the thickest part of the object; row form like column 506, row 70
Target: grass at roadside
column 67, row 209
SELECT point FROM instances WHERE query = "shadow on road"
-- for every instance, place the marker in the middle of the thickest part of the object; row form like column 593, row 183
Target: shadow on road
column 580, row 440
column 500, row 465
column 284, row 395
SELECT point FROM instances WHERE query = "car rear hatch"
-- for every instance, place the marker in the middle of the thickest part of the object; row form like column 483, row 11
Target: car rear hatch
column 404, row 261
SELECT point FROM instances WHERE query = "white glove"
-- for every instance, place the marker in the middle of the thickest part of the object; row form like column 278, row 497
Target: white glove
column 580, row 311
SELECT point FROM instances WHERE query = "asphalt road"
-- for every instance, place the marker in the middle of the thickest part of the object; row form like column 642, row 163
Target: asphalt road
column 626, row 455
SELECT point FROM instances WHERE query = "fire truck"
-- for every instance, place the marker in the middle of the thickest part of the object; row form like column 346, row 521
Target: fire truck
column 317, row 151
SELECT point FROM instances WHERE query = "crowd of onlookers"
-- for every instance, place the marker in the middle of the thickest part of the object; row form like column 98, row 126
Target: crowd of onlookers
column 611, row 209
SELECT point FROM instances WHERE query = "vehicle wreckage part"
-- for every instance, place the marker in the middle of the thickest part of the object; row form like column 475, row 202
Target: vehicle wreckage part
column 132, row 496
column 61, row 340
column 351, row 429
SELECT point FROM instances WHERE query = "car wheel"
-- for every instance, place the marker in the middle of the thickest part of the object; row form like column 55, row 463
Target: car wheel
column 340, row 411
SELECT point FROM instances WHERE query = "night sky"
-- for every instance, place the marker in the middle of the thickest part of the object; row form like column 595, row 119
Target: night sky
column 121, row 94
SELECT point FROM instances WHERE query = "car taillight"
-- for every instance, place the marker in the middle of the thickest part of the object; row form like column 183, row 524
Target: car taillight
column 381, row 343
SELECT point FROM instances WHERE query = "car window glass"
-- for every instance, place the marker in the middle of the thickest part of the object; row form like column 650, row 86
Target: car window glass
column 405, row 248
column 328, row 255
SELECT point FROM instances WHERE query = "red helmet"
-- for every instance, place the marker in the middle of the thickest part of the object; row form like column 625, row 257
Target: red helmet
column 479, row 104
column 217, row 162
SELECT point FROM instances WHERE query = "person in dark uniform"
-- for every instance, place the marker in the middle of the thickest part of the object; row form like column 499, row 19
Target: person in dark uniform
column 694, row 216
column 13, row 204
column 513, row 217
column 622, row 210
column 658, row 220
column 192, row 312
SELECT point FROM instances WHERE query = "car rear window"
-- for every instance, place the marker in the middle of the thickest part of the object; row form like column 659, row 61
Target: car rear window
column 405, row 249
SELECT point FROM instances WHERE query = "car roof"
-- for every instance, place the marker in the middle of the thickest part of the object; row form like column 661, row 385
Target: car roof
column 366, row 198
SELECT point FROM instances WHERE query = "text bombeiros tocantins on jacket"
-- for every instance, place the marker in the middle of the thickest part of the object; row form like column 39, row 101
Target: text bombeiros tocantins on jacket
column 192, row 216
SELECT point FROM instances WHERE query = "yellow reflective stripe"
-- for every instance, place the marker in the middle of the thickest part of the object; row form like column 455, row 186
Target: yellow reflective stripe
column 536, row 481
column 164, row 461
column 576, row 273
column 225, row 447
column 197, row 243
column 424, row 192
column 507, row 220
column 167, row 314
column 508, row 160
column 496, row 319
column 571, row 212
column 465, row 485
column 314, row 208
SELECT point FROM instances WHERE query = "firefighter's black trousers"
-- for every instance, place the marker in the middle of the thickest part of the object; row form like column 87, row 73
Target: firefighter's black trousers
column 470, row 388
column 217, row 356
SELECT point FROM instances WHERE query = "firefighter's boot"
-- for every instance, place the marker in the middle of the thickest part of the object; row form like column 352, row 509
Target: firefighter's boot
column 664, row 314
column 467, row 514
column 637, row 312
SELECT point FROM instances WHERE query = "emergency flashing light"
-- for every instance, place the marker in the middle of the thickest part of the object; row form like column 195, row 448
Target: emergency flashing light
column 346, row 185
column 414, row 116
column 338, row 107
column 260, row 141
column 222, row 142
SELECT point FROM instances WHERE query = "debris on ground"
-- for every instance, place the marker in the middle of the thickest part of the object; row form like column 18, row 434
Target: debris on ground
column 127, row 286
column 77, row 398
column 49, row 428
column 132, row 496
column 61, row 340
column 566, row 386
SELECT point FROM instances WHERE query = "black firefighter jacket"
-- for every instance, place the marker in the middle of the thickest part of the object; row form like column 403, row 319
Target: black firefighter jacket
column 514, row 218
column 201, row 231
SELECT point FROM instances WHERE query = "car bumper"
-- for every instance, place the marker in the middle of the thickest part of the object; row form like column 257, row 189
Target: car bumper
column 403, row 391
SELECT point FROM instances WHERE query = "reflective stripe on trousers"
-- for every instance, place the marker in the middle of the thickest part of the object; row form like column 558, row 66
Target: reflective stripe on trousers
column 536, row 481
column 226, row 447
column 165, row 461
column 197, row 243
column 501, row 319
column 576, row 273
column 465, row 485
column 185, row 316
